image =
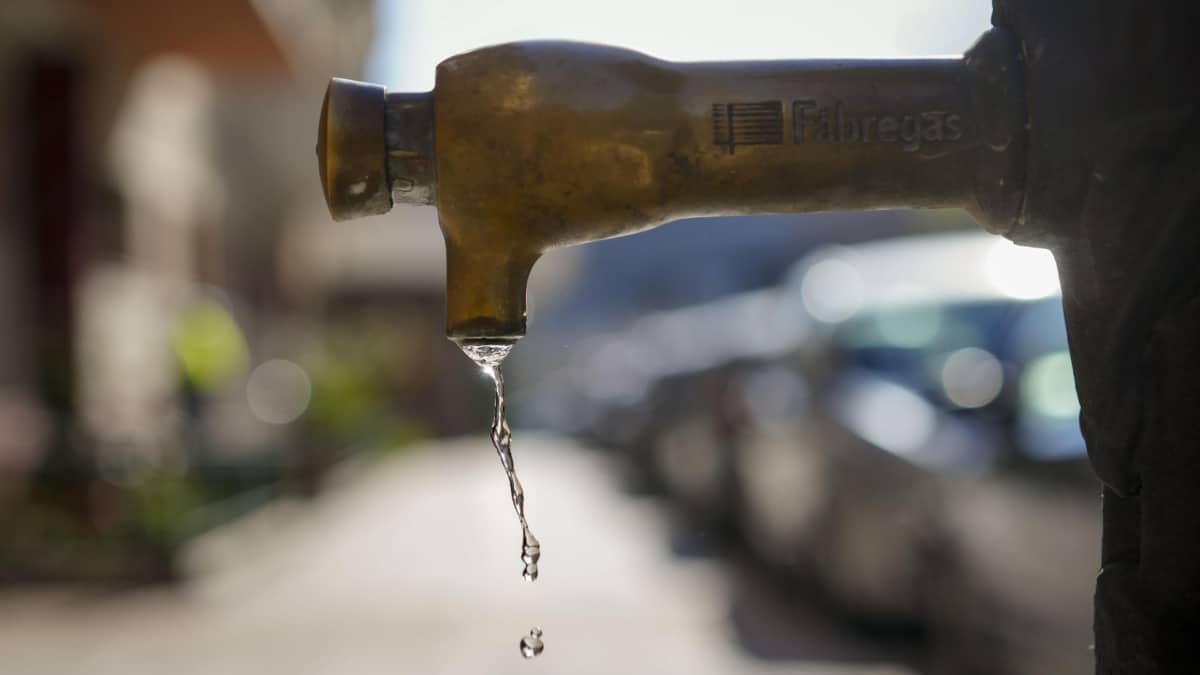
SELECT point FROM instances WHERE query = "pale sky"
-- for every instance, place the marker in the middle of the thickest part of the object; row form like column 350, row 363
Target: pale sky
column 414, row 35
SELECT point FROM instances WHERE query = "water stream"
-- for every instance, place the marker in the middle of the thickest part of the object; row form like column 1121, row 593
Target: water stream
column 489, row 356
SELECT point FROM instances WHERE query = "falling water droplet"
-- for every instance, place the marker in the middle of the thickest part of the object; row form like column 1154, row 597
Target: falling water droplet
column 532, row 645
column 531, row 551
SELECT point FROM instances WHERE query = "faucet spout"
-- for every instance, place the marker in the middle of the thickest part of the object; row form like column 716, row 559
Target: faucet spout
column 485, row 292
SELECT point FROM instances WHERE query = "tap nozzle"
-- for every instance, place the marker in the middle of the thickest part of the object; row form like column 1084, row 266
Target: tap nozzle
column 541, row 145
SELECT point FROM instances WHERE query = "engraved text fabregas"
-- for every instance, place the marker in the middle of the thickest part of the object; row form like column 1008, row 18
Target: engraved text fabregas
column 815, row 123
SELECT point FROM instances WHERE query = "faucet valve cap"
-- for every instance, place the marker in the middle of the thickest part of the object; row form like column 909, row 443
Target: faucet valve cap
column 351, row 150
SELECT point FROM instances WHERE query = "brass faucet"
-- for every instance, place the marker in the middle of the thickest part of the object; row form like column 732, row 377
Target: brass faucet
column 527, row 146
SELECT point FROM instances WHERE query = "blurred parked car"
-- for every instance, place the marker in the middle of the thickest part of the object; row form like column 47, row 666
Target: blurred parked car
column 895, row 426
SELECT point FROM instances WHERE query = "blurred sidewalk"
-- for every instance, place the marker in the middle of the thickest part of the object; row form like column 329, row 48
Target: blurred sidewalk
column 411, row 565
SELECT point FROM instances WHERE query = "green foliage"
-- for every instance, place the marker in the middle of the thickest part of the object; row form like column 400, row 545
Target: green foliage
column 211, row 349
column 159, row 504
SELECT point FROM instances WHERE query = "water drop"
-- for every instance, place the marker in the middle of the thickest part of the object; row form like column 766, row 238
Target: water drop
column 532, row 645
column 531, row 552
column 487, row 355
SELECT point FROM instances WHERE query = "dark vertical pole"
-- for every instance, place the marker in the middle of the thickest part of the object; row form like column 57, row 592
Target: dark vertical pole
column 54, row 193
column 1113, row 187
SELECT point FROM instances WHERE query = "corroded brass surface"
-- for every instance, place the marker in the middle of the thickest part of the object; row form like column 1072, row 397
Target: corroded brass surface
column 545, row 144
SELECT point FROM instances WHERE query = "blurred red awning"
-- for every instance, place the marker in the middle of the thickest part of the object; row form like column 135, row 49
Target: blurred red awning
column 228, row 36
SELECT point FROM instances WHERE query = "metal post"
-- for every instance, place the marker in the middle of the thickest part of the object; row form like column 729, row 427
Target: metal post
column 1113, row 187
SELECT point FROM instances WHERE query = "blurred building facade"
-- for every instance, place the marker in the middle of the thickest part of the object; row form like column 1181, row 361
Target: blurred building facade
column 155, row 157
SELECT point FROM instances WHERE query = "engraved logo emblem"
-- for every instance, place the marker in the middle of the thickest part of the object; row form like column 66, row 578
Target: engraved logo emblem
column 737, row 124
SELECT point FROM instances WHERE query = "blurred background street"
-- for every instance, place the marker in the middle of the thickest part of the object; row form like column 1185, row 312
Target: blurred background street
column 233, row 437
column 411, row 565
